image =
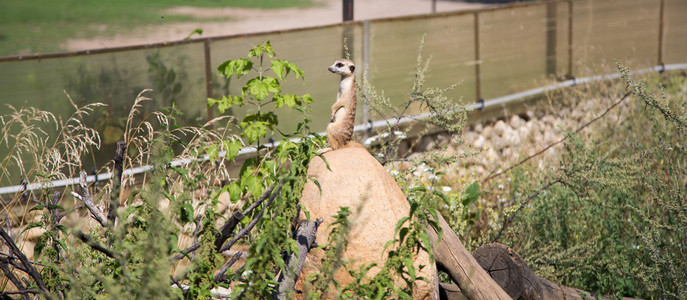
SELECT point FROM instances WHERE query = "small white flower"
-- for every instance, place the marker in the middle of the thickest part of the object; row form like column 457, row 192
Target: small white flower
column 446, row 189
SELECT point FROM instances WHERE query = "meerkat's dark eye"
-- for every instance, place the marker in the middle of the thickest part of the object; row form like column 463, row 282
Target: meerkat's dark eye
column 339, row 65
column 352, row 68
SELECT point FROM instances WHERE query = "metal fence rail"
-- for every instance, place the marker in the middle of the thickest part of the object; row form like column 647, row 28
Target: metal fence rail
column 499, row 53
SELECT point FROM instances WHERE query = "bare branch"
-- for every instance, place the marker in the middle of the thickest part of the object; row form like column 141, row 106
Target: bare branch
column 228, row 228
column 87, row 200
column 95, row 245
column 30, row 269
column 10, row 275
column 234, row 259
column 252, row 224
column 306, row 238
column 116, row 182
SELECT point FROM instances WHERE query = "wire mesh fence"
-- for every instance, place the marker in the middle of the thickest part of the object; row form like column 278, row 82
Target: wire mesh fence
column 490, row 53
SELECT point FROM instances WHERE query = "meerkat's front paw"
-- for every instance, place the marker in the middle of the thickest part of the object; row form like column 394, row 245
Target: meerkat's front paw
column 324, row 150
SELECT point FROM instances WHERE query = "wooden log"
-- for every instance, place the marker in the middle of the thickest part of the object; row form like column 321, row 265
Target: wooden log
column 448, row 291
column 511, row 272
column 452, row 257
column 306, row 238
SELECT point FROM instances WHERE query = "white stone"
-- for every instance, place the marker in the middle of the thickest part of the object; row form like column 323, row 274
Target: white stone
column 500, row 127
column 515, row 122
column 479, row 142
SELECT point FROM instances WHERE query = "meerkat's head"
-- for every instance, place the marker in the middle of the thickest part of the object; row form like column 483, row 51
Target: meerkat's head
column 343, row 67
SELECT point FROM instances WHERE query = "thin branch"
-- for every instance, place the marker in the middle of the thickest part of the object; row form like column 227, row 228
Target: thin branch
column 175, row 282
column 234, row 259
column 228, row 228
column 252, row 224
column 196, row 230
column 492, row 176
column 117, row 182
column 87, row 200
column 523, row 204
column 23, row 292
column 11, row 276
column 306, row 238
column 31, row 270
column 95, row 245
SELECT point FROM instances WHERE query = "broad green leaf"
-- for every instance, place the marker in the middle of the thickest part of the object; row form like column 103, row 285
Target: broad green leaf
column 253, row 130
column 238, row 67
column 257, row 88
column 272, row 85
column 32, row 225
column 289, row 100
column 278, row 68
column 37, row 207
column 61, row 228
column 258, row 50
column 232, row 147
column 186, row 213
column 234, row 192
column 400, row 223
column 212, row 152
column 471, row 194
column 254, row 185
column 292, row 67
column 307, row 98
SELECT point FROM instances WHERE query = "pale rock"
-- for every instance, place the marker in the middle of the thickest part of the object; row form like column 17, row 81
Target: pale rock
column 26, row 247
column 490, row 155
column 478, row 127
column 497, row 142
column 33, row 234
column 549, row 120
column 500, row 127
column 511, row 138
column 223, row 202
column 356, row 180
column 426, row 143
column 523, row 133
column 548, row 135
column 470, row 136
column 487, row 131
column 506, row 152
column 515, row 122
column 479, row 142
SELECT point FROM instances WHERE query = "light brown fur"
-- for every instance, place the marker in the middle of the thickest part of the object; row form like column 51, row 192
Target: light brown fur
column 342, row 121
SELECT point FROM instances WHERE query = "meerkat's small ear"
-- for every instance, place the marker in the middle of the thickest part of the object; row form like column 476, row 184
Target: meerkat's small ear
column 352, row 68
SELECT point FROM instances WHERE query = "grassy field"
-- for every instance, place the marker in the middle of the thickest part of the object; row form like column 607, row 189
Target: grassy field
column 39, row 26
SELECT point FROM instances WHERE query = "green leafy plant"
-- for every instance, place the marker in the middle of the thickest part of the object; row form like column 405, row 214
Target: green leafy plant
column 260, row 91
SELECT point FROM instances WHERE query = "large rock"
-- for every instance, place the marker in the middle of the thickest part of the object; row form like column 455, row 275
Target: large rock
column 358, row 181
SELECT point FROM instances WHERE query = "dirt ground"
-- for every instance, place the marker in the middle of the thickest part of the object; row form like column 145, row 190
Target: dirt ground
column 241, row 20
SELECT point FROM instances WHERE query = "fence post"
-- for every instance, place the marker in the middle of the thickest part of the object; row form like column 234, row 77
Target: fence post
column 366, row 66
column 570, row 39
column 478, row 75
column 347, row 30
column 551, row 32
column 347, row 10
column 208, row 76
column 660, row 31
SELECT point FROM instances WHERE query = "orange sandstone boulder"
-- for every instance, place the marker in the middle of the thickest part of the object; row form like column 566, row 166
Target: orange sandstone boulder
column 376, row 202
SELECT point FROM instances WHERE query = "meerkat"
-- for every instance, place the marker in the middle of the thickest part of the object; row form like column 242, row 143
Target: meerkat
column 340, row 128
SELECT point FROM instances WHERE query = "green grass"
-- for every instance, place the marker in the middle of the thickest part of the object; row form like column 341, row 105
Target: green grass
column 39, row 26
